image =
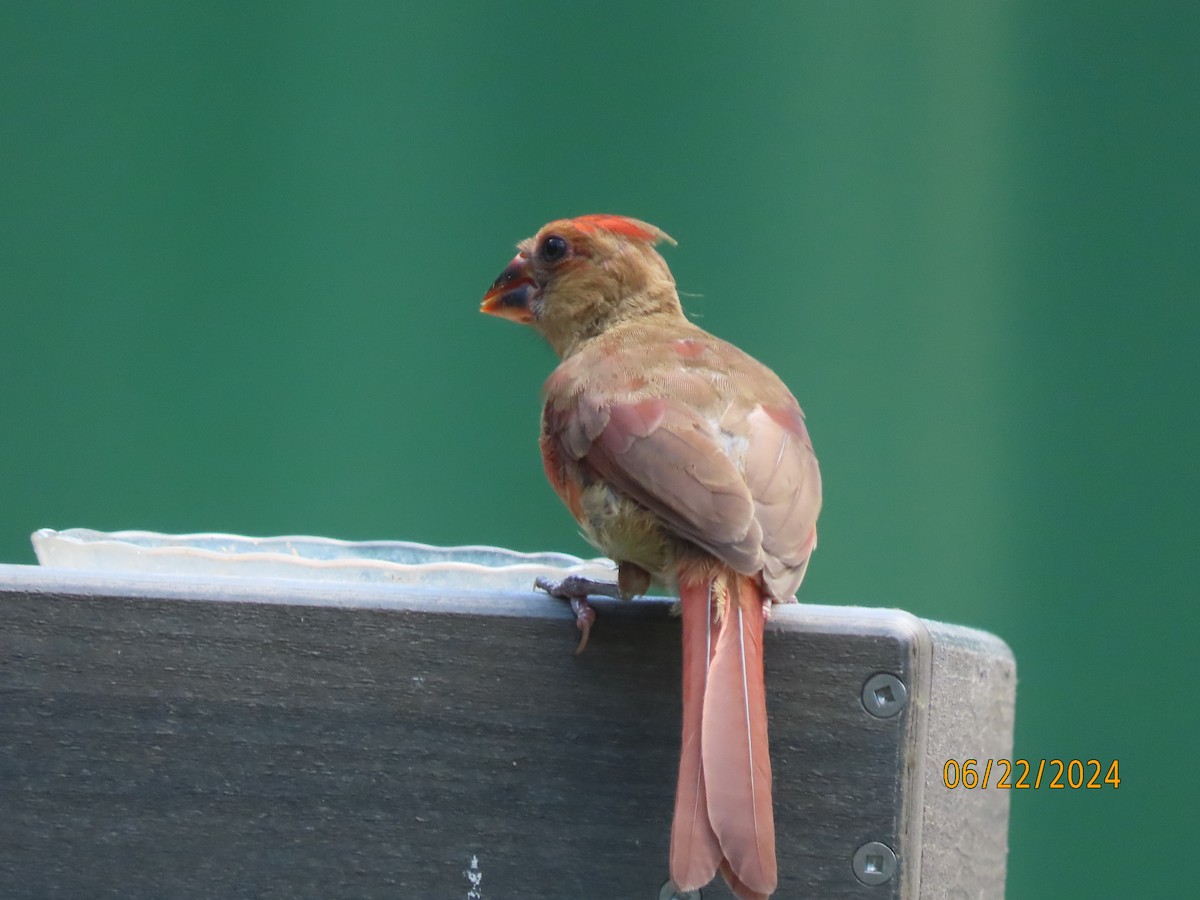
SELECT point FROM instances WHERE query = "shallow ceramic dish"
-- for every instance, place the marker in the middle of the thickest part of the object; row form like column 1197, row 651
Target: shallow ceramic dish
column 308, row 558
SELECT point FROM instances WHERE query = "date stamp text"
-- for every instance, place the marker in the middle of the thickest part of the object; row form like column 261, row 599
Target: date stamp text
column 1026, row 774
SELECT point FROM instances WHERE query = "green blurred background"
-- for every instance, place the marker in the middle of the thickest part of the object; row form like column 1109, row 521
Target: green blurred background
column 242, row 248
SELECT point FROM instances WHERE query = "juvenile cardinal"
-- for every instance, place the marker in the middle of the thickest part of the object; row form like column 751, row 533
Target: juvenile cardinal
column 687, row 461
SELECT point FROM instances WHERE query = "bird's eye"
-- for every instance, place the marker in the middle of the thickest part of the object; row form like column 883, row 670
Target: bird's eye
column 554, row 248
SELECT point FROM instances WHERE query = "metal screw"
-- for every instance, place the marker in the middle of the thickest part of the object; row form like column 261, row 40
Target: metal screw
column 874, row 863
column 884, row 695
column 669, row 892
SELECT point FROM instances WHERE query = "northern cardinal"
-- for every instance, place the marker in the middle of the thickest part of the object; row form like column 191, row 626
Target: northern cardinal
column 685, row 460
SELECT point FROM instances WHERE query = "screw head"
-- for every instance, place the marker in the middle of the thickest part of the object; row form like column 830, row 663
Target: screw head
column 884, row 695
column 669, row 892
column 874, row 863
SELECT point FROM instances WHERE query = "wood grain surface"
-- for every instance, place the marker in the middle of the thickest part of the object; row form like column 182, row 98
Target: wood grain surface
column 230, row 739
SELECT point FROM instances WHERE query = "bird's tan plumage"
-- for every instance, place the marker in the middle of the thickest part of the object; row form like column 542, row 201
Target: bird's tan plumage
column 683, row 457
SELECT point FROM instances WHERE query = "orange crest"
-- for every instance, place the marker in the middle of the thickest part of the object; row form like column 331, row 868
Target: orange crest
column 622, row 225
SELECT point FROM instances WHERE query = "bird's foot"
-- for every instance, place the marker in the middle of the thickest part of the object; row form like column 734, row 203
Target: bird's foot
column 575, row 589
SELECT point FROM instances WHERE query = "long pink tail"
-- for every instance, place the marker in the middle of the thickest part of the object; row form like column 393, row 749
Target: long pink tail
column 723, row 815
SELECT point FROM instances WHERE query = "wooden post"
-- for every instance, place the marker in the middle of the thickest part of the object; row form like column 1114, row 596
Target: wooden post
column 250, row 738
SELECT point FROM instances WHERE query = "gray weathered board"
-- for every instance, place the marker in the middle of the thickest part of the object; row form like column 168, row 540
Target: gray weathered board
column 241, row 738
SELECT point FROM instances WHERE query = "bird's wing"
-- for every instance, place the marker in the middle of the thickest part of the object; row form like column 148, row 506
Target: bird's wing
column 782, row 476
column 668, row 458
column 713, row 444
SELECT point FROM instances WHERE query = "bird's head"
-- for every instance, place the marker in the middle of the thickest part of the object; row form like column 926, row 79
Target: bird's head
column 578, row 277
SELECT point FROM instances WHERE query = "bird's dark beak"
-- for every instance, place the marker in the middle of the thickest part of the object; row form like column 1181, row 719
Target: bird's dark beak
column 510, row 295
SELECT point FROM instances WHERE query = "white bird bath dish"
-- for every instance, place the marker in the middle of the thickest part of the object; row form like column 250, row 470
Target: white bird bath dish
column 309, row 559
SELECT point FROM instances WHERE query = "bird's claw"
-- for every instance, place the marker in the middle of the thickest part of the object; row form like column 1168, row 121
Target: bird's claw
column 575, row 589
column 585, row 618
